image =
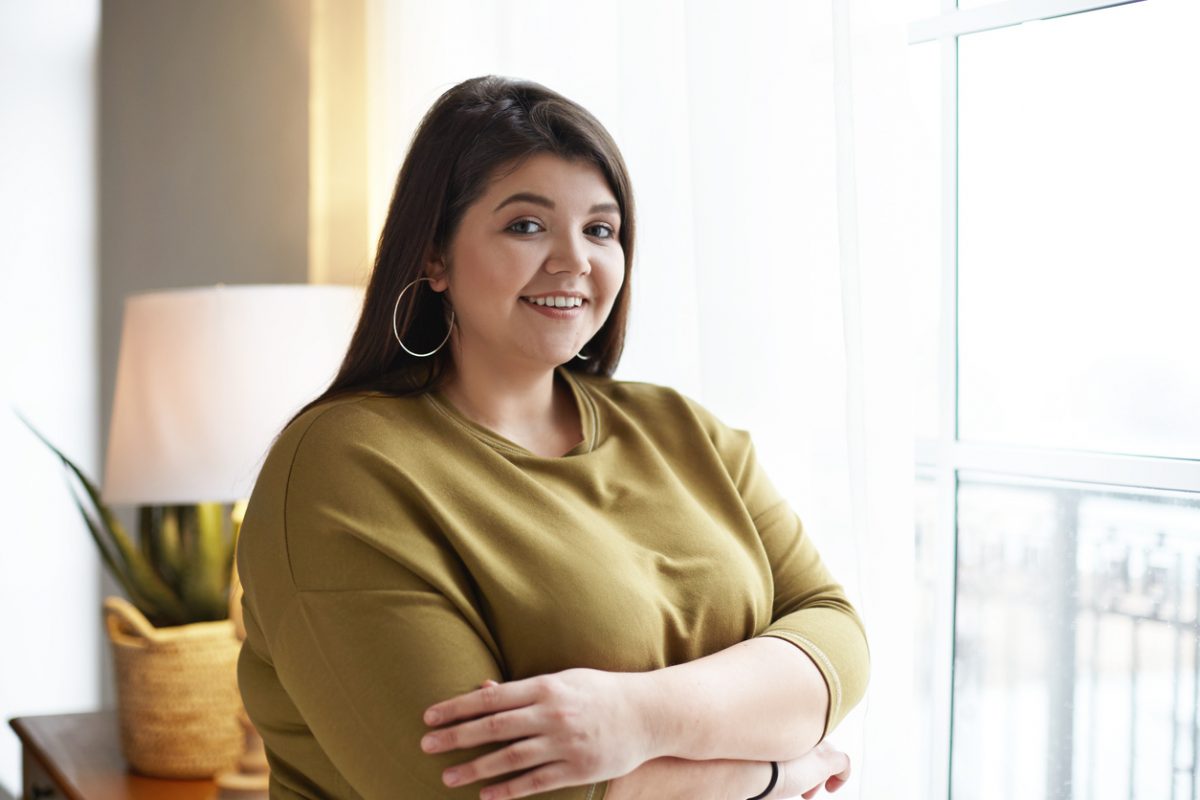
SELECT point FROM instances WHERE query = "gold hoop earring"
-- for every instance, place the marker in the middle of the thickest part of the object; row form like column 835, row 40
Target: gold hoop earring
column 396, row 332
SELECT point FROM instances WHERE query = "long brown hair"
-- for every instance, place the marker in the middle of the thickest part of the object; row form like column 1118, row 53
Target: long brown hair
column 474, row 131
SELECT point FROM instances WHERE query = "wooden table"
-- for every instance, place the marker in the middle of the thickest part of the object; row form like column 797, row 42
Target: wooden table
column 78, row 757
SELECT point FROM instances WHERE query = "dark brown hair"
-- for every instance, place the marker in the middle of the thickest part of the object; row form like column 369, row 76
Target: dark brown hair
column 477, row 131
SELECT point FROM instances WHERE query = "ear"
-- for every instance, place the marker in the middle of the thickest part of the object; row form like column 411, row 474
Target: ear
column 435, row 270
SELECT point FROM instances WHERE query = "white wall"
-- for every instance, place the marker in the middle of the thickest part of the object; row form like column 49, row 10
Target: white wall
column 50, row 636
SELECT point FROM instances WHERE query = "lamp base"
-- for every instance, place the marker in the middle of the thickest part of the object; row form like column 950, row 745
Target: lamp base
column 252, row 778
column 239, row 786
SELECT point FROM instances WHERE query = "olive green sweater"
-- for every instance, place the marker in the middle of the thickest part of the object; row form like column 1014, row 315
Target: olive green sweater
column 395, row 553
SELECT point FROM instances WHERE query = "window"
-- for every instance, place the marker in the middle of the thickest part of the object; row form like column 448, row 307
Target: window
column 1058, row 504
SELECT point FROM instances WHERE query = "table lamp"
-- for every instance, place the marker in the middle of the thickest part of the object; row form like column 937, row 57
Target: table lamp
column 206, row 378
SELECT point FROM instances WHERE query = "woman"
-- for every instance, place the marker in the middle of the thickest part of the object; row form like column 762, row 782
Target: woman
column 480, row 566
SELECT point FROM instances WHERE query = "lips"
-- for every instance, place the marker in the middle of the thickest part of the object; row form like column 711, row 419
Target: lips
column 554, row 312
column 572, row 296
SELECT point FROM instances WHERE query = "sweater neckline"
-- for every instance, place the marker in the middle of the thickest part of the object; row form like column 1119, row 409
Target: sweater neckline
column 586, row 406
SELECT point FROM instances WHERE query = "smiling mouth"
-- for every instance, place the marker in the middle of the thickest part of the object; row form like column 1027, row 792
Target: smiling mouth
column 569, row 306
column 563, row 312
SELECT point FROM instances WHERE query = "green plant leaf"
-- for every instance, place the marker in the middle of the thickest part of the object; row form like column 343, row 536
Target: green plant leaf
column 137, row 571
column 206, row 585
column 148, row 581
column 161, row 536
column 215, row 519
column 114, row 568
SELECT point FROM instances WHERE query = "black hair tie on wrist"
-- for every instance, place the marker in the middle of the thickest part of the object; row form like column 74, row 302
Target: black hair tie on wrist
column 771, row 785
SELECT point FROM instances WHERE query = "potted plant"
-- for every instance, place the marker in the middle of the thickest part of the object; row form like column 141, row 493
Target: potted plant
column 174, row 645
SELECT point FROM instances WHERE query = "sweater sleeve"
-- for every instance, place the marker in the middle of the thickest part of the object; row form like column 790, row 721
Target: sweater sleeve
column 810, row 608
column 381, row 619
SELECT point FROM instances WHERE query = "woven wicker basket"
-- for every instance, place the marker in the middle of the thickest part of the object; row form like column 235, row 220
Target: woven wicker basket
column 177, row 693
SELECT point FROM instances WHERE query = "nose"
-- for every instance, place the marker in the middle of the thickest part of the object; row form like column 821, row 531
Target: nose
column 570, row 254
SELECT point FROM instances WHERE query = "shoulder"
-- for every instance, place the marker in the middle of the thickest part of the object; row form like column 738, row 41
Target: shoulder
column 340, row 428
column 633, row 394
column 662, row 407
column 330, row 421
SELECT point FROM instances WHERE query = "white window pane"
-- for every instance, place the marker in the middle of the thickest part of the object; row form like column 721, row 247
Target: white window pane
column 1075, row 643
column 929, row 564
column 925, row 95
column 1079, row 264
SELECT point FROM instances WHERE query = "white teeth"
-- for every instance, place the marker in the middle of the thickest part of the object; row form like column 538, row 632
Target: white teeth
column 556, row 302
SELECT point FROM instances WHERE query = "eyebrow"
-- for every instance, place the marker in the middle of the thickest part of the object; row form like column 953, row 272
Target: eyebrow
column 530, row 197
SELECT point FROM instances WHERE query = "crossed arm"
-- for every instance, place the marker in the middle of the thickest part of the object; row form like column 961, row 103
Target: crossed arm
column 362, row 645
column 700, row 729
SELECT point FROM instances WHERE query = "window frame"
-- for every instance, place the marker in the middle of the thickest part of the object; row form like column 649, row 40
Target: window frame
column 941, row 458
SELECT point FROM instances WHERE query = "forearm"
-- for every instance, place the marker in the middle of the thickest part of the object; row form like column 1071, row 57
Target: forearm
column 671, row 778
column 760, row 700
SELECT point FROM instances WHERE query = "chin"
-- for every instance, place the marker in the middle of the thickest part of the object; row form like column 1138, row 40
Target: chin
column 553, row 356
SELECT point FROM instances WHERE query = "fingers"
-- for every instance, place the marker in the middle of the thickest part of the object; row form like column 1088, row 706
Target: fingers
column 501, row 727
column 521, row 755
column 488, row 699
column 549, row 777
column 823, row 766
column 836, row 782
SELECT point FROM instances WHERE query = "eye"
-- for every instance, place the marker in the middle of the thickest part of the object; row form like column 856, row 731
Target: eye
column 601, row 230
column 523, row 222
column 611, row 234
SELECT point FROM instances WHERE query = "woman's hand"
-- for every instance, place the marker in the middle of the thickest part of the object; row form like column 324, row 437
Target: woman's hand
column 803, row 776
column 574, row 727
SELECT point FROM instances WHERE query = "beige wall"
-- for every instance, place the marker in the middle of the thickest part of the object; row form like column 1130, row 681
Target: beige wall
column 203, row 150
column 228, row 153
column 341, row 247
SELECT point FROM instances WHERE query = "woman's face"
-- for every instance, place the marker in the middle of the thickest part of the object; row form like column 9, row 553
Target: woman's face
column 548, row 229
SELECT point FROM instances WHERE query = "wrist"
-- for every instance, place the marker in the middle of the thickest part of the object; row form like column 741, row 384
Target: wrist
column 654, row 712
column 762, row 775
column 672, row 778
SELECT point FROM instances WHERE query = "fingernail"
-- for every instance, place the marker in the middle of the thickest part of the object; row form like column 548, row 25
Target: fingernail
column 429, row 743
column 433, row 717
column 451, row 777
column 487, row 794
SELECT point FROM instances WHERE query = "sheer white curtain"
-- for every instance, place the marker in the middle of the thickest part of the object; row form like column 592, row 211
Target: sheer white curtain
column 770, row 148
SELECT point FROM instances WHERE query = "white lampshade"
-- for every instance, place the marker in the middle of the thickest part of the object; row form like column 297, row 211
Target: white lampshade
column 206, row 379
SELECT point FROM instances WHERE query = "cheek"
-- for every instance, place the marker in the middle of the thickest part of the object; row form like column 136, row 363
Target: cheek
column 485, row 274
column 506, row 267
column 614, row 275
